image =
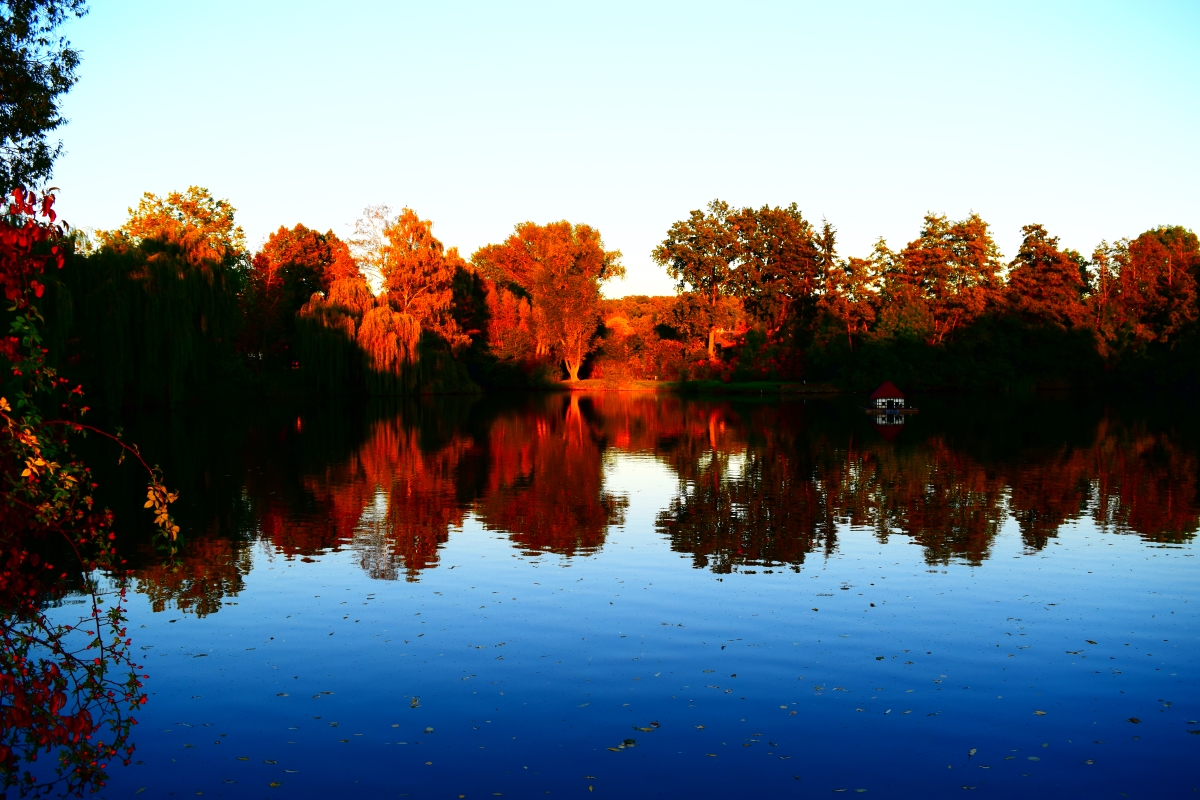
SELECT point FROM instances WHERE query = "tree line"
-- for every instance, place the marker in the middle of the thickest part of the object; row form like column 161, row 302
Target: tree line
column 173, row 301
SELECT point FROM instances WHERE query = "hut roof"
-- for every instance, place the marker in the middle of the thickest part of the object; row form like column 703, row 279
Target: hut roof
column 887, row 391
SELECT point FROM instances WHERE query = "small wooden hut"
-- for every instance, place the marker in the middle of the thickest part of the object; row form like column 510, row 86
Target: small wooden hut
column 887, row 398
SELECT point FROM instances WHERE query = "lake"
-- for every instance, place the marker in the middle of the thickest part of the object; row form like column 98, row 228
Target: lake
column 625, row 595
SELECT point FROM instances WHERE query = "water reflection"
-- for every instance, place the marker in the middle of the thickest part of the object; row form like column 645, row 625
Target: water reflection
column 759, row 485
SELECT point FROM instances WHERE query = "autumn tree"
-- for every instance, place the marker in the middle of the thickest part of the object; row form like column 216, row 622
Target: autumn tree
column 193, row 223
column 1146, row 288
column 561, row 268
column 418, row 274
column 37, row 67
column 155, row 307
column 953, row 269
column 292, row 265
column 701, row 253
column 1045, row 284
column 849, row 297
column 780, row 265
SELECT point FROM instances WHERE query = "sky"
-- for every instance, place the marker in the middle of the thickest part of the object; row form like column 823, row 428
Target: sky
column 625, row 116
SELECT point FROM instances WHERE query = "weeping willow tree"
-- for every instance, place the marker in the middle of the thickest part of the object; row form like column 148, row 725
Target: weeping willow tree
column 326, row 335
column 352, row 341
column 152, row 311
column 146, row 324
column 388, row 340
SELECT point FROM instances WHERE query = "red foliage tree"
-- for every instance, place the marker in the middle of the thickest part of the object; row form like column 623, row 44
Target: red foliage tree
column 66, row 687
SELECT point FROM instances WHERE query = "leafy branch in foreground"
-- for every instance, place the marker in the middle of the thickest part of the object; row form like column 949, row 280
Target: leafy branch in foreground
column 68, row 683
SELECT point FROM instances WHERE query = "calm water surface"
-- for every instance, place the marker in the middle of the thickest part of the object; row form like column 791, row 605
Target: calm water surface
column 636, row 596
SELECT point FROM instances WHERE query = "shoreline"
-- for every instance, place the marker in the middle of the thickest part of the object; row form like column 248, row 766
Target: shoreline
column 699, row 387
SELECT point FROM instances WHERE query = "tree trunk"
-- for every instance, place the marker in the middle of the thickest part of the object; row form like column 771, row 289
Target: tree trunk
column 712, row 343
column 572, row 369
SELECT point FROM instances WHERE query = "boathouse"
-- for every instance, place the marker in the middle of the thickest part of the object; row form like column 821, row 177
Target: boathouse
column 887, row 397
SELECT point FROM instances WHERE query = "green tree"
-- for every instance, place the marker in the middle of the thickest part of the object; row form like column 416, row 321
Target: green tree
column 701, row 253
column 780, row 264
column 37, row 67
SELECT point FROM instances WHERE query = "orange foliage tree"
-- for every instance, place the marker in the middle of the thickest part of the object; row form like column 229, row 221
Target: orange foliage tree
column 1045, row 284
column 292, row 265
column 1146, row 288
column 418, row 275
column 560, row 268
column 953, row 270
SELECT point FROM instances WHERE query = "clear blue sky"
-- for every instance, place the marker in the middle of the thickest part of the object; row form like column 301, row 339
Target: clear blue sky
column 1080, row 116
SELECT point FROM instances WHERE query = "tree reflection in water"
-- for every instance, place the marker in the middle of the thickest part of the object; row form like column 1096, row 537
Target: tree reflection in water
column 758, row 484
column 67, row 681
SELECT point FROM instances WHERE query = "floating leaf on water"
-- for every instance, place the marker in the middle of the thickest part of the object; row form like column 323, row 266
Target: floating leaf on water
column 655, row 725
column 700, row 727
column 711, row 755
column 1040, row 713
column 292, row 770
column 583, row 705
column 429, row 730
column 282, row 694
column 275, row 784
column 1033, row 758
column 630, row 742
column 243, row 758
column 1088, row 761
column 1134, row 720
column 1089, row 641
column 615, row 749
column 972, row 752
column 265, row 761
column 643, row 730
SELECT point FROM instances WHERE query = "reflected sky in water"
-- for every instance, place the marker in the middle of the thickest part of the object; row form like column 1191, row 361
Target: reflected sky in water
column 646, row 596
